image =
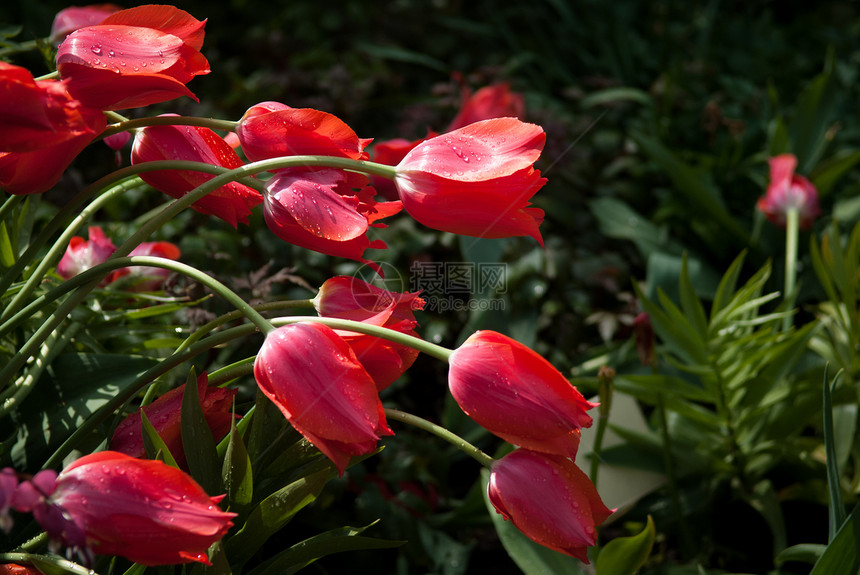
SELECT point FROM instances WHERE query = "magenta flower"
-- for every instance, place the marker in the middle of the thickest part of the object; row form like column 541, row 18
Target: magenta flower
column 315, row 379
column 517, row 395
column 788, row 190
column 549, row 499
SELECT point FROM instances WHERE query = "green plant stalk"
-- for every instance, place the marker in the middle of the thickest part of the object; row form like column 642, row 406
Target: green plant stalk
column 124, row 124
column 56, row 252
column 10, row 204
column 15, row 394
column 605, row 377
column 27, row 350
column 792, row 225
column 441, row 433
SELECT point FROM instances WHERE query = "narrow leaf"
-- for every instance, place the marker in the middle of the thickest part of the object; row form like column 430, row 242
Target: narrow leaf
column 153, row 444
column 837, row 507
column 197, row 440
column 236, row 474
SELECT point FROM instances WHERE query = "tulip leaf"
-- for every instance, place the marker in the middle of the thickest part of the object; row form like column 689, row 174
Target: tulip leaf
column 837, row 509
column 153, row 444
column 624, row 555
column 7, row 251
column 197, row 441
column 236, row 473
column 842, row 554
column 274, row 512
column 71, row 390
column 303, row 554
column 529, row 556
column 804, row 553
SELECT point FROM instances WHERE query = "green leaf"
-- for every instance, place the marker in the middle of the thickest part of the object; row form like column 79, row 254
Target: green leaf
column 696, row 186
column 236, row 474
column 690, row 303
column 612, row 96
column 841, row 554
column 529, row 556
column 625, row 555
column 197, row 441
column 728, row 285
column 815, row 112
column 619, row 221
column 335, row 541
column 274, row 512
column 828, row 172
column 153, row 444
column 7, row 251
column 71, row 390
column 804, row 553
column 837, row 508
column 53, row 565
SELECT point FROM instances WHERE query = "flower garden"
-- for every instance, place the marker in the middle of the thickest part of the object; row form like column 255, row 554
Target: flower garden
column 342, row 298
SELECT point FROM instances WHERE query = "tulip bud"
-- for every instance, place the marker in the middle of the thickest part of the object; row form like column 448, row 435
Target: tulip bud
column 112, row 504
column 517, row 395
column 549, row 499
column 315, row 379
column 788, row 190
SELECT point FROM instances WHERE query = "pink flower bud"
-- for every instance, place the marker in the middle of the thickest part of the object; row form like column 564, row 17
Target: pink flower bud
column 517, row 395
column 549, row 499
column 83, row 254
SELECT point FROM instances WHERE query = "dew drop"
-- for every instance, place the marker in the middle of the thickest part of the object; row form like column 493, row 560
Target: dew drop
column 111, row 53
column 96, row 50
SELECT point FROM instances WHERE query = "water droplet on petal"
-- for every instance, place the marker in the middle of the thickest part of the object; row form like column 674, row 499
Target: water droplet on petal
column 96, row 50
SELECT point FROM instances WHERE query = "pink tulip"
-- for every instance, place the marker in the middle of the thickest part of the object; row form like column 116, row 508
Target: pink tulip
column 788, row 190
column 476, row 181
column 112, row 504
column 83, row 254
column 315, row 379
column 517, row 395
column 549, row 499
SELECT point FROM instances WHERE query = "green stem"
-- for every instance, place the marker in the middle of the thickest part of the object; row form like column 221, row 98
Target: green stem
column 792, row 225
column 442, row 433
column 137, row 123
column 605, row 377
column 10, row 204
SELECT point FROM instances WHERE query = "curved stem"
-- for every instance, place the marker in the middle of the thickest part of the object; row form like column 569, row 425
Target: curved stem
column 212, row 123
column 441, row 433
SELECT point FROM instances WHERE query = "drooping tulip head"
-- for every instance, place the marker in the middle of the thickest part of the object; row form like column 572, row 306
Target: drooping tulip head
column 516, row 394
column 549, row 499
column 312, row 375
column 476, row 181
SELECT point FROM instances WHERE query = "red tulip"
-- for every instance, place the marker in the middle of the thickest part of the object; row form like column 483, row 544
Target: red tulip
column 476, row 181
column 390, row 152
column 495, row 101
column 42, row 129
column 351, row 298
column 83, row 254
column 517, row 395
column 164, row 415
column 323, row 209
column 231, row 202
column 15, row 569
column 314, row 378
column 72, row 18
column 788, row 190
column 134, row 58
column 113, row 504
column 549, row 499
